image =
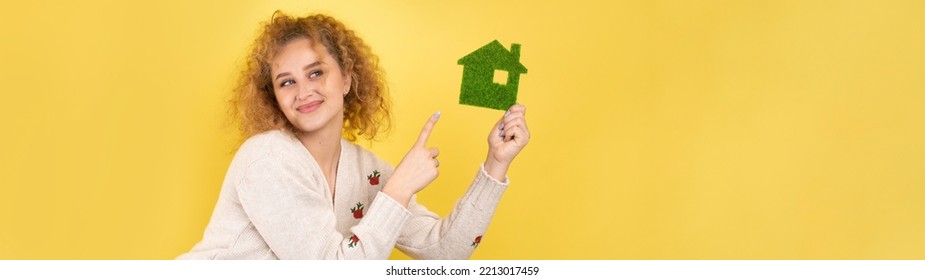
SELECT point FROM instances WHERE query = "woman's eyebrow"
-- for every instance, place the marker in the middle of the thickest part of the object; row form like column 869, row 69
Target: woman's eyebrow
column 281, row 75
column 313, row 64
column 310, row 65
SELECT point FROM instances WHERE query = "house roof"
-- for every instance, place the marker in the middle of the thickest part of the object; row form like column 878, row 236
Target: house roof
column 494, row 55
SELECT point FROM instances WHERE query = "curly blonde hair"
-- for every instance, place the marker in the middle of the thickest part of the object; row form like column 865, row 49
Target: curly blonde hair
column 366, row 107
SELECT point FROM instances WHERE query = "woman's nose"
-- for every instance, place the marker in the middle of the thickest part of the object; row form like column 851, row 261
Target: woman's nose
column 305, row 90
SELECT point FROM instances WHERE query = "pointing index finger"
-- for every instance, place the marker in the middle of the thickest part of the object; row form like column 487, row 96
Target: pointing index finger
column 425, row 132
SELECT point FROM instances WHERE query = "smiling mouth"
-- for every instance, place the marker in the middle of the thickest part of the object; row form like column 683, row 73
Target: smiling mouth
column 311, row 106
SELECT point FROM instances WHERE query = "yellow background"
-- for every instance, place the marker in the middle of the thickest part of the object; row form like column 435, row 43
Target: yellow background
column 661, row 129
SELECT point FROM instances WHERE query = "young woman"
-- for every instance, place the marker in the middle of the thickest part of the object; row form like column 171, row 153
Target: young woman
column 298, row 188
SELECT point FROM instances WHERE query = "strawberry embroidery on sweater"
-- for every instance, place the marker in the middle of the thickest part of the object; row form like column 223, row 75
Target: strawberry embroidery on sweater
column 373, row 178
column 353, row 241
column 478, row 239
column 357, row 211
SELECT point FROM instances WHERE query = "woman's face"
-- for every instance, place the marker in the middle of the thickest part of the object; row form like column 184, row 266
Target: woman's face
column 309, row 86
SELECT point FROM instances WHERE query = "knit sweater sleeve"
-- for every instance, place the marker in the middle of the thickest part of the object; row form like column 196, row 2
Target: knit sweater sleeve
column 297, row 222
column 427, row 236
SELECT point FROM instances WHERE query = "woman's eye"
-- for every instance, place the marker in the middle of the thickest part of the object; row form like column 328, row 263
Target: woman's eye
column 315, row 74
column 286, row 83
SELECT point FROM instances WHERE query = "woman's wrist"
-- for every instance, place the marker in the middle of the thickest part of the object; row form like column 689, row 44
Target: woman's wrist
column 399, row 196
column 495, row 169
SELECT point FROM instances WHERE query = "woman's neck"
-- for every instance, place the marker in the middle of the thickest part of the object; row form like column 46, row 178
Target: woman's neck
column 324, row 146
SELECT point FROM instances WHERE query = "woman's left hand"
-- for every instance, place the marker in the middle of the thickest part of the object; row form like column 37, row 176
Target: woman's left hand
column 507, row 138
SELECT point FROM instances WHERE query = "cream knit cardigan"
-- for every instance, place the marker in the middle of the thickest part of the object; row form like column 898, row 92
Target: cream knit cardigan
column 276, row 204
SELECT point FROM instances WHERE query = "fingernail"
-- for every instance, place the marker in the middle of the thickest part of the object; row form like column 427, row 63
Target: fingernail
column 437, row 115
column 508, row 112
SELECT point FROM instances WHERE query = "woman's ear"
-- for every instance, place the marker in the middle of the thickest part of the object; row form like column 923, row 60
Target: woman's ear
column 348, row 82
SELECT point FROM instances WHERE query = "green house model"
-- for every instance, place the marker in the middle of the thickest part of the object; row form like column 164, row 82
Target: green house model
column 490, row 76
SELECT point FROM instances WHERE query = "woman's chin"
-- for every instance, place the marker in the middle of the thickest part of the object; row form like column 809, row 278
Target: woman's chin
column 313, row 123
column 308, row 126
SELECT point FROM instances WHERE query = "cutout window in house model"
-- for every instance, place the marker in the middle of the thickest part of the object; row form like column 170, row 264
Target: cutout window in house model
column 500, row 77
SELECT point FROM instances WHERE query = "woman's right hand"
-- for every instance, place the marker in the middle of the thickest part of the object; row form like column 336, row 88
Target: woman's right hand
column 417, row 169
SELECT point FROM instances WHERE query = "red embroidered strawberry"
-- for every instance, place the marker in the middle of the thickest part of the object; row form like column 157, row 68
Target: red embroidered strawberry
column 478, row 239
column 357, row 211
column 353, row 241
column 373, row 178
